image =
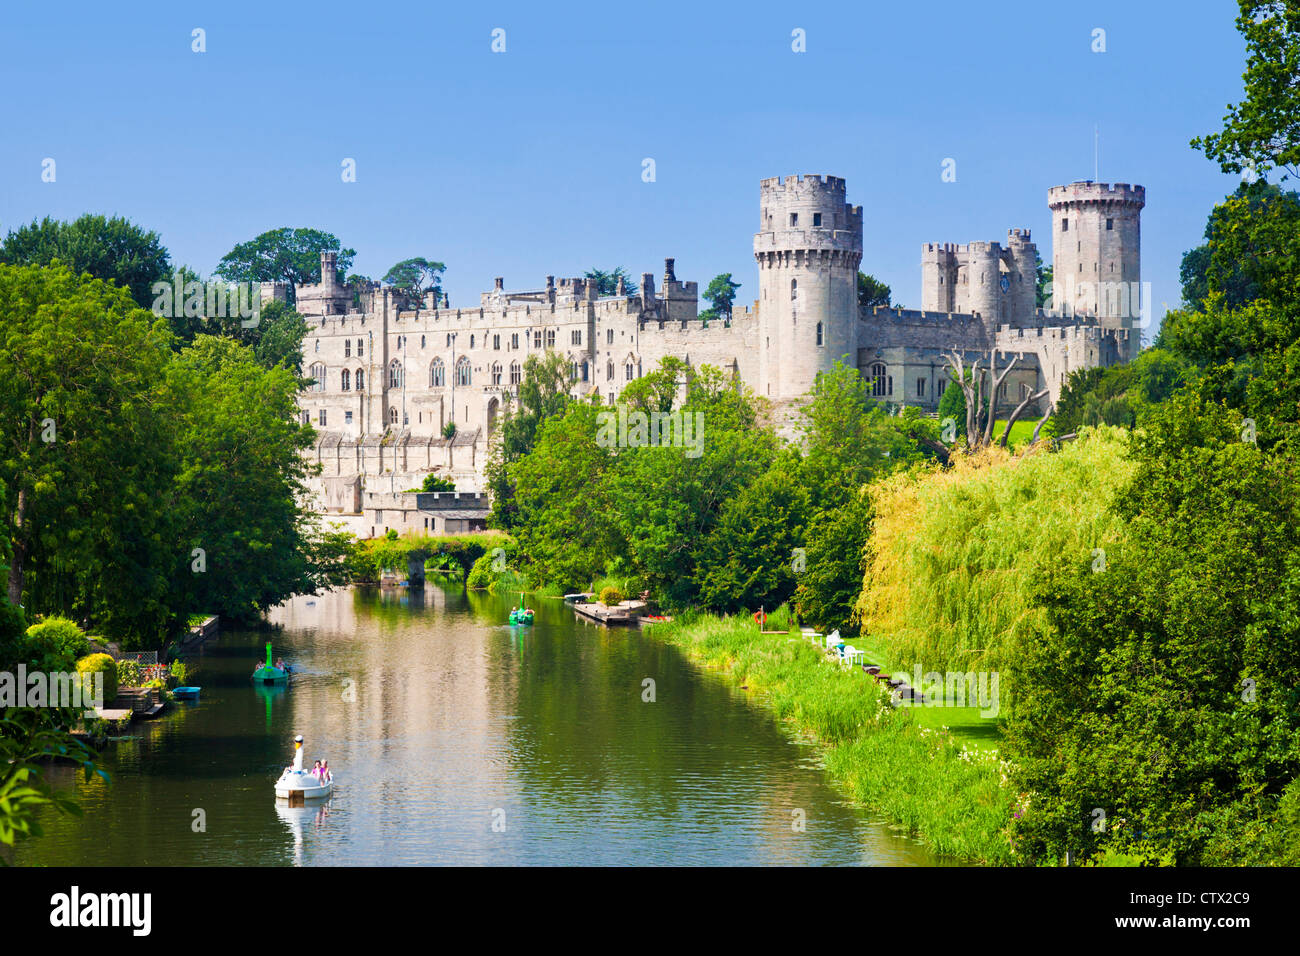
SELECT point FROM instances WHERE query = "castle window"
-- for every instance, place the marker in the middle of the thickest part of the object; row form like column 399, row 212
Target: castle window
column 318, row 345
column 361, row 380
column 573, row 371
column 347, row 348
column 496, row 343
column 421, row 341
column 462, row 371
column 306, row 418
column 611, row 398
column 448, row 340
column 346, row 380
column 817, row 219
column 879, row 380
column 437, row 374
column 584, row 371
column 347, row 418
column 322, row 417
column 496, row 373
column 392, row 416
column 920, row 387
column 514, row 340
column 609, row 371
column 794, row 289
column 550, row 338
column 576, row 337
column 361, row 347
column 819, row 334
column 471, row 341
column 794, row 219
column 630, row 371
column 318, row 373
column 1065, row 224
column 1110, row 224
column 537, row 339
column 394, row 374
column 514, row 373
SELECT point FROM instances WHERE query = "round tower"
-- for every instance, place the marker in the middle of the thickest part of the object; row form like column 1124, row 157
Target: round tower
column 1096, row 255
column 983, row 282
column 808, row 248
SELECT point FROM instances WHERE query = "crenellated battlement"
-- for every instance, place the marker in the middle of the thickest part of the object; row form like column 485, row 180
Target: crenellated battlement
column 1087, row 191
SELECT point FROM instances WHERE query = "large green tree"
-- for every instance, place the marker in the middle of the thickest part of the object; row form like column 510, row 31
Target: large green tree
column 417, row 276
column 543, row 394
column 88, row 438
column 284, row 255
column 113, row 249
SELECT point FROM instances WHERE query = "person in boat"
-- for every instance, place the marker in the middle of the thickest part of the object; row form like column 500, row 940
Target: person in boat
column 316, row 771
column 325, row 771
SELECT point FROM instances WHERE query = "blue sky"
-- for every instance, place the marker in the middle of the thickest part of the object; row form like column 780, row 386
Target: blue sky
column 528, row 162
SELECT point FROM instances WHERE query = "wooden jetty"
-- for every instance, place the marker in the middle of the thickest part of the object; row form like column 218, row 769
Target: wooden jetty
column 625, row 613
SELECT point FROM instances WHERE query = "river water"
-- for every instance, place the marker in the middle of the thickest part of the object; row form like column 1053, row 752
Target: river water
column 455, row 739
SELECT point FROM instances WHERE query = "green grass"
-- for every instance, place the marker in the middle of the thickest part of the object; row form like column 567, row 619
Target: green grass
column 953, row 797
column 1021, row 431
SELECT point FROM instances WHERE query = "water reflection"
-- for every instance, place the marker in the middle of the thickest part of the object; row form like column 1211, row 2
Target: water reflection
column 455, row 738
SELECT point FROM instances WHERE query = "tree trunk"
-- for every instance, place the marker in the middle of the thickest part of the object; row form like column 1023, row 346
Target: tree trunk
column 19, row 551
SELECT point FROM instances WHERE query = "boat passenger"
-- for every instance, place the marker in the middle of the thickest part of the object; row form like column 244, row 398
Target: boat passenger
column 325, row 771
column 316, row 771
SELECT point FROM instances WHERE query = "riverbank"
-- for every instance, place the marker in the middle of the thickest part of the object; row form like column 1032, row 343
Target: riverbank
column 952, row 797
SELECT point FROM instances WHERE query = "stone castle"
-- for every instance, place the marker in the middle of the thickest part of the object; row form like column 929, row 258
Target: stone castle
column 392, row 374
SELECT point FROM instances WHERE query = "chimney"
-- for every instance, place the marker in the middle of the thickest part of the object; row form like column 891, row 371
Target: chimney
column 669, row 276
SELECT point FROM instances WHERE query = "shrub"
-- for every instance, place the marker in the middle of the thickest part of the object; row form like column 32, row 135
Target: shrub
column 100, row 664
column 128, row 674
column 180, row 671
column 60, row 641
column 610, row 595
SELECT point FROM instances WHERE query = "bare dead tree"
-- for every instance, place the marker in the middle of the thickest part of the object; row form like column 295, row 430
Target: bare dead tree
column 1015, row 415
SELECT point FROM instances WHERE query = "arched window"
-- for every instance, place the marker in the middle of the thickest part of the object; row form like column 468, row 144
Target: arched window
column 609, row 371
column 462, row 371
column 346, row 380
column 361, row 380
column 496, row 373
column 630, row 369
column 794, row 289
column 550, row 338
column 819, row 334
column 514, row 373
column 421, row 341
column 318, row 373
column 879, row 380
column 471, row 341
column 347, row 348
column 392, row 416
column 437, row 374
column 394, row 374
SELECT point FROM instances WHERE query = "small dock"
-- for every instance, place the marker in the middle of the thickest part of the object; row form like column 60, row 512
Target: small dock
column 623, row 614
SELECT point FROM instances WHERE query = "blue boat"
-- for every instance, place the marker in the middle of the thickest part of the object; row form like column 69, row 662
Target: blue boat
column 186, row 693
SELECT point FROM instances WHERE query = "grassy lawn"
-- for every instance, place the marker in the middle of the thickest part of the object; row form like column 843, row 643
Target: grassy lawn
column 965, row 723
column 1020, row 432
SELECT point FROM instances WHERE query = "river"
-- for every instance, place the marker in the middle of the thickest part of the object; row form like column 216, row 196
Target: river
column 455, row 739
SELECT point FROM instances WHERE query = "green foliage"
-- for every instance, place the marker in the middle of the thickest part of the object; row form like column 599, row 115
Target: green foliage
column 1263, row 131
column 449, row 430
column 129, row 673
column 721, row 293
column 93, row 664
column 610, row 596
column 872, row 292
column 1119, row 394
column 543, row 394
column 607, row 282
column 284, row 255
column 952, row 404
column 949, row 580
column 832, row 579
column 89, row 432
column 416, row 277
column 114, row 250
column 433, row 482
column 1043, row 283
column 1163, row 689
column 59, row 642
column 746, row 560
column 242, row 479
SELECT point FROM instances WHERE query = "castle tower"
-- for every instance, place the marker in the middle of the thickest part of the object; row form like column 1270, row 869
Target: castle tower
column 938, row 277
column 1022, row 275
column 808, row 248
column 983, row 293
column 1096, row 255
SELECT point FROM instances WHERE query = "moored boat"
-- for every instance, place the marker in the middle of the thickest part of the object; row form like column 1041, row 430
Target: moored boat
column 268, row 673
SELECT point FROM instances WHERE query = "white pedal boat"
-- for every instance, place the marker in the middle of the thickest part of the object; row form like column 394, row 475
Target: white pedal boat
column 304, row 782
